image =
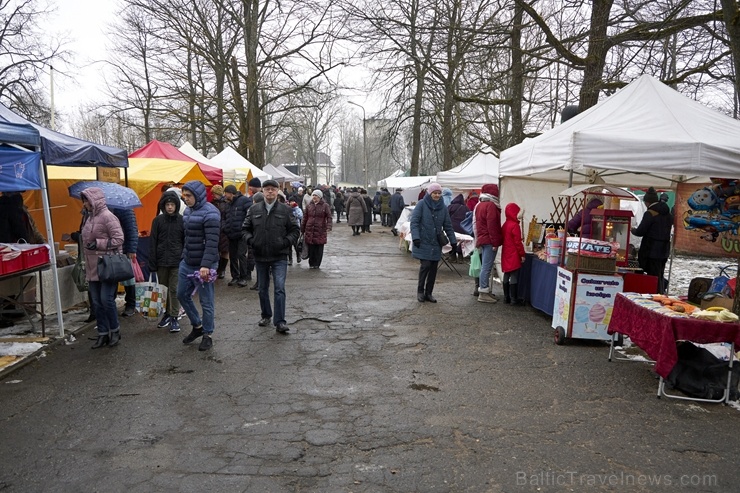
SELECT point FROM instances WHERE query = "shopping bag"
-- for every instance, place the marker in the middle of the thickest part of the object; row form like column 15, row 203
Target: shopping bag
column 138, row 275
column 78, row 271
column 467, row 223
column 304, row 248
column 475, row 264
column 151, row 298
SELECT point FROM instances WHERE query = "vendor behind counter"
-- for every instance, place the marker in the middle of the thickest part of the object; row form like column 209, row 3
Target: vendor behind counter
column 581, row 222
column 16, row 224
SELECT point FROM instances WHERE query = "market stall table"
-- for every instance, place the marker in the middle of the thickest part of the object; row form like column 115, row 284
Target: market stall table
column 657, row 334
column 27, row 307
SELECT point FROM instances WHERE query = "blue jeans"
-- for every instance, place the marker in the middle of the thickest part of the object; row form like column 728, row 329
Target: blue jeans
column 103, row 296
column 185, row 287
column 488, row 255
column 279, row 269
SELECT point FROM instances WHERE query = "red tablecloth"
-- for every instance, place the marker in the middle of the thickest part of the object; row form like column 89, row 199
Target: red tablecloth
column 656, row 334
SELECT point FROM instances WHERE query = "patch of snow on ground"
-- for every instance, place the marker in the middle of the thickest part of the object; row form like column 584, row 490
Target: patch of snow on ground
column 687, row 268
column 19, row 348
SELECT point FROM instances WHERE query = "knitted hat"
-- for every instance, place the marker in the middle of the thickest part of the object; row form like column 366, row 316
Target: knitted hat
column 434, row 187
column 318, row 193
column 217, row 190
column 651, row 196
column 230, row 189
column 255, row 183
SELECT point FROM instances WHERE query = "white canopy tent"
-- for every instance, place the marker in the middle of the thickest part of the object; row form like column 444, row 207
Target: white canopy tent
column 231, row 174
column 479, row 169
column 411, row 185
column 647, row 134
column 290, row 174
column 230, row 160
column 278, row 175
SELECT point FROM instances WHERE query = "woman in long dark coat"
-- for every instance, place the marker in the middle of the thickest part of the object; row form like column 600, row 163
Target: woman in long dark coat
column 429, row 220
column 315, row 226
column 356, row 210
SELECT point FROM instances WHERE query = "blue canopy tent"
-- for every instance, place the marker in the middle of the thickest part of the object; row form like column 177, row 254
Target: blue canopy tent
column 21, row 169
column 62, row 150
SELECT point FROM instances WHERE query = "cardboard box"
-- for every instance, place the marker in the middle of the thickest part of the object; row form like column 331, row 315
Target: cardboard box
column 717, row 301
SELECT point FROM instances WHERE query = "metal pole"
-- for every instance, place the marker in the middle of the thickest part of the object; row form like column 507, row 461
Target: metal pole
column 51, row 91
column 364, row 140
column 52, row 250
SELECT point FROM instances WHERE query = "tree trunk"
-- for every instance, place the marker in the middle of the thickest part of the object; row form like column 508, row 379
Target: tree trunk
column 732, row 23
column 517, row 79
column 596, row 57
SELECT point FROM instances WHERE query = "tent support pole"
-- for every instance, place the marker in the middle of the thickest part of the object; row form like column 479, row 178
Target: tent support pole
column 50, row 239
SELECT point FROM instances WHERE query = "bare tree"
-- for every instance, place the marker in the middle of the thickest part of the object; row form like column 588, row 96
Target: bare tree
column 314, row 118
column 26, row 55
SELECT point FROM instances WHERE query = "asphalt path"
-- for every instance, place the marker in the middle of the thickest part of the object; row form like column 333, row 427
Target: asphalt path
column 371, row 391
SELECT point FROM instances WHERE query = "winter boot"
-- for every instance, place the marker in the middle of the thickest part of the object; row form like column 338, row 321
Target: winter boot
column 507, row 293
column 515, row 300
column 115, row 337
column 485, row 296
column 477, row 285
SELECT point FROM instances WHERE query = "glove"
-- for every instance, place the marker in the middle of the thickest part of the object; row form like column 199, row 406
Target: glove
column 417, row 243
column 453, row 246
column 91, row 246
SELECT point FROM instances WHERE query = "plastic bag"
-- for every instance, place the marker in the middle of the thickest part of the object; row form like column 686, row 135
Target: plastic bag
column 475, row 264
column 151, row 298
column 304, row 248
column 79, row 274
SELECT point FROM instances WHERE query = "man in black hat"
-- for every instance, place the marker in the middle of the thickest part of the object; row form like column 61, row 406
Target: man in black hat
column 655, row 230
column 270, row 231
column 233, row 220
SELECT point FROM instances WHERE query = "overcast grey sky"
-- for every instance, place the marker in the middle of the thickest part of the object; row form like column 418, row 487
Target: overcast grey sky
column 84, row 22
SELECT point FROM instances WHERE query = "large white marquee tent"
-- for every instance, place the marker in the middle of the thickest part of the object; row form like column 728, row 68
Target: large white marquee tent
column 646, row 134
column 479, row 169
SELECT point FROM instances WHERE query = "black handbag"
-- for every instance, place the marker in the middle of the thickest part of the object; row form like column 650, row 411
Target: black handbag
column 115, row 268
column 442, row 238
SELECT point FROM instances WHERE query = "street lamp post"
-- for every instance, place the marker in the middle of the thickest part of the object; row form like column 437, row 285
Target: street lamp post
column 364, row 141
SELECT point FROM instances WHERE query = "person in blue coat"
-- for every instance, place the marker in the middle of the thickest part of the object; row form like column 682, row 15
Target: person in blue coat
column 202, row 227
column 429, row 221
column 130, row 228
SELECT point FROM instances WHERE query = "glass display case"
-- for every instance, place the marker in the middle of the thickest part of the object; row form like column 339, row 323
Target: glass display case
column 613, row 225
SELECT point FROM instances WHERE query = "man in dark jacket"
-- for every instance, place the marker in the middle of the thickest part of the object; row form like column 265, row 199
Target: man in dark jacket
column 655, row 230
column 270, row 231
column 127, row 218
column 202, row 224
column 397, row 205
column 385, row 207
column 235, row 215
column 165, row 252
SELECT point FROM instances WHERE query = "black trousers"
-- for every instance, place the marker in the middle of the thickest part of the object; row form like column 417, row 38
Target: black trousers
column 315, row 255
column 427, row 276
column 656, row 267
column 237, row 263
column 395, row 216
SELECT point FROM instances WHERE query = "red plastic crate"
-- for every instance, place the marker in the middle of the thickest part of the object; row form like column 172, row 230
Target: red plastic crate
column 34, row 255
column 11, row 262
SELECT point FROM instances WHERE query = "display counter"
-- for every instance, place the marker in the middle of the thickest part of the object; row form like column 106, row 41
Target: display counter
column 542, row 285
column 18, row 282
